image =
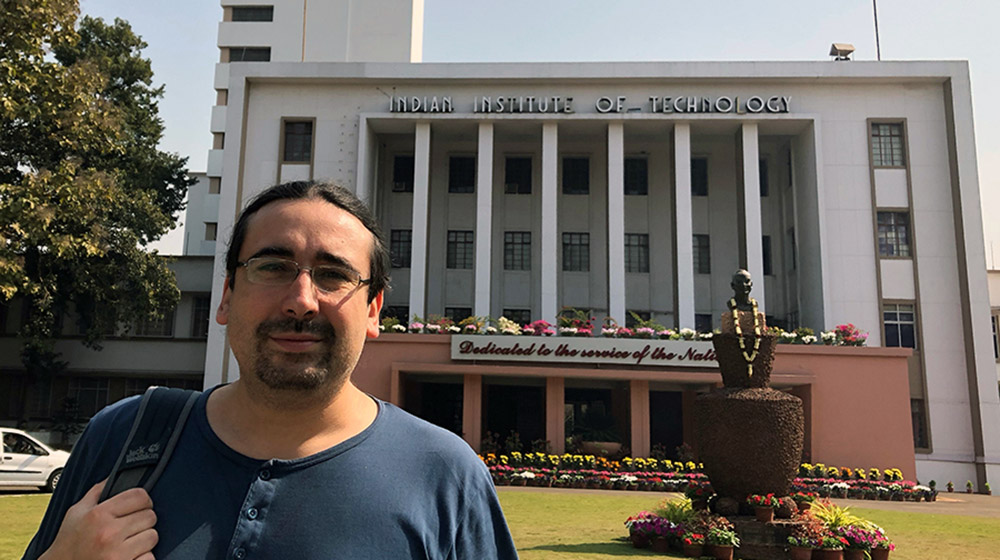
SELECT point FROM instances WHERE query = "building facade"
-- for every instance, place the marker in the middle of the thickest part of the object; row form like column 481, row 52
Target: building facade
column 848, row 189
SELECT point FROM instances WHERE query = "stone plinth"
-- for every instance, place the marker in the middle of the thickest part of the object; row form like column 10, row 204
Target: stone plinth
column 762, row 541
column 733, row 364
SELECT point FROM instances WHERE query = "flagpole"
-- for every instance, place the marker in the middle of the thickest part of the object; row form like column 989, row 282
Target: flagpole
column 878, row 48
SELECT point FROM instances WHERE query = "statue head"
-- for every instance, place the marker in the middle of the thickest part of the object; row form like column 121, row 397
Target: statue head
column 741, row 285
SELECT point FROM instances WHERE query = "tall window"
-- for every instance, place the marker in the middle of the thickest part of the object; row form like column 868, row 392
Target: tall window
column 91, row 394
column 163, row 326
column 702, row 254
column 201, row 311
column 887, row 145
column 699, row 176
column 460, row 249
column 630, row 317
column 253, row 13
column 636, row 252
column 765, row 185
column 457, row 314
column 636, row 176
column 400, row 247
column 996, row 342
column 402, row 174
column 249, row 54
column 517, row 250
column 790, row 256
column 399, row 312
column 576, row 175
column 893, row 234
column 576, row 252
column 900, row 325
column 519, row 316
column 766, row 252
column 517, row 175
column 703, row 322
column 211, row 231
column 461, row 174
column 918, row 413
column 298, row 142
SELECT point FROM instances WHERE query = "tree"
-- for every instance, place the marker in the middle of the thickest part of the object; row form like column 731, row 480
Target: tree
column 83, row 187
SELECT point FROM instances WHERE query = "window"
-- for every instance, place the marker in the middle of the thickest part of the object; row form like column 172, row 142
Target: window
column 214, row 185
column 887, row 145
column 517, row 175
column 211, row 231
column 200, row 313
column 253, row 13
column 517, row 250
column 699, row 176
column 462, row 174
column 249, row 54
column 458, row 314
column 460, row 249
column 636, row 252
column 91, row 394
column 576, row 252
column 298, row 142
column 399, row 312
column 16, row 443
column 703, row 322
column 893, row 234
column 163, row 326
column 402, row 174
column 790, row 245
column 400, row 247
column 919, row 415
column 138, row 385
column 630, row 321
column 702, row 254
column 636, row 176
column 576, row 175
column 900, row 325
column 766, row 253
column 520, row 316
column 765, row 187
column 996, row 346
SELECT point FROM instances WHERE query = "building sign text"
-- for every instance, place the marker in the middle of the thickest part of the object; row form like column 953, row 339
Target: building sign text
column 620, row 351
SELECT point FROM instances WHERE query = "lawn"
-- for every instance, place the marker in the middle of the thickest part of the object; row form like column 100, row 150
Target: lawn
column 582, row 525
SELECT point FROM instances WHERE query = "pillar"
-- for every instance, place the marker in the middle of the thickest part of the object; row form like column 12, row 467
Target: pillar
column 616, row 221
column 683, row 229
column 484, row 219
column 472, row 409
column 555, row 414
column 550, row 218
column 421, row 207
column 639, row 400
column 751, row 240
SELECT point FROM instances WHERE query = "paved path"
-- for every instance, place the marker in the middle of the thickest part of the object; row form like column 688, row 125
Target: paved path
column 948, row 504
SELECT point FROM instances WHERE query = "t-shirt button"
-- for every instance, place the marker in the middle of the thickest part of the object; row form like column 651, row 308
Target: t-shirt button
column 239, row 553
column 252, row 513
column 265, row 474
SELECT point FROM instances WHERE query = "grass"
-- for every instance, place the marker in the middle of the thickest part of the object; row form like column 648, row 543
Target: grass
column 586, row 526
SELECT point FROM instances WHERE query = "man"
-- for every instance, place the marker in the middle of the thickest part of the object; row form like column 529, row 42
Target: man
column 292, row 460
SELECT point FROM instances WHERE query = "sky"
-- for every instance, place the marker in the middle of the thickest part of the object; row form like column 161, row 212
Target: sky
column 182, row 46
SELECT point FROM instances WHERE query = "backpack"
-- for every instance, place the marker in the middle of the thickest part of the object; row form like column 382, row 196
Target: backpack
column 151, row 440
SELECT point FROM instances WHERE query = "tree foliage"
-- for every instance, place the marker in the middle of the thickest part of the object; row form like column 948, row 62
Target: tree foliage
column 83, row 187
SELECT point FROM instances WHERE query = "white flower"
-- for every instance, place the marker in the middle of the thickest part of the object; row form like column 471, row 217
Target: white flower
column 399, row 327
column 454, row 329
column 381, row 328
column 788, row 335
column 828, row 336
column 433, row 328
column 608, row 332
column 567, row 330
column 808, row 339
column 491, row 330
column 524, row 474
column 706, row 336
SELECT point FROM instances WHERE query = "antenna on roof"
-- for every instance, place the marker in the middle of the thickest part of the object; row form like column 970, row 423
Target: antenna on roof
column 878, row 48
column 841, row 51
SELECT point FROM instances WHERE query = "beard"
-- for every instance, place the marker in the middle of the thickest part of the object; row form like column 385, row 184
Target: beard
column 297, row 371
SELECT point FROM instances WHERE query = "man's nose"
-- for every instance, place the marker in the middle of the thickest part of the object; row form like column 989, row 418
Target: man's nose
column 301, row 300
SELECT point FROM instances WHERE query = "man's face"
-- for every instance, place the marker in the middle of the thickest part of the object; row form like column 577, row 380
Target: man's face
column 296, row 337
column 741, row 284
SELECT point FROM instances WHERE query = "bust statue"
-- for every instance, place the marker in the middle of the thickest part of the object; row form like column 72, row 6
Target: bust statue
column 744, row 307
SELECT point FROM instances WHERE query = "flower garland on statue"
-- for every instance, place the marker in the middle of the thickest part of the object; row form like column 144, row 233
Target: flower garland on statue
column 751, row 356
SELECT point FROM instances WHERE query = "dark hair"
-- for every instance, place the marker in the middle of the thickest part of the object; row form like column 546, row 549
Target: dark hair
column 335, row 195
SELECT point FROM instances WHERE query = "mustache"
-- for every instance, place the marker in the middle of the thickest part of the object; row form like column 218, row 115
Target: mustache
column 322, row 329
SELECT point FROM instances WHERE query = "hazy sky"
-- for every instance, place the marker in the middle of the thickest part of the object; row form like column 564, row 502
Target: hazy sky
column 182, row 34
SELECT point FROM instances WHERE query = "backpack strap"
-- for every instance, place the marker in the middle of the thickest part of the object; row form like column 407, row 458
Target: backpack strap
column 157, row 427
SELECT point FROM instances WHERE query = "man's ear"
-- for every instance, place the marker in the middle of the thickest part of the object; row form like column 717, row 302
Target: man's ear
column 374, row 312
column 222, row 313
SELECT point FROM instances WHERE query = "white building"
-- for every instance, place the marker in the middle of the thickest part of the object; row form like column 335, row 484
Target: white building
column 848, row 189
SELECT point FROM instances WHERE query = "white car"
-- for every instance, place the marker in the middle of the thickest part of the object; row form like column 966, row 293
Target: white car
column 28, row 462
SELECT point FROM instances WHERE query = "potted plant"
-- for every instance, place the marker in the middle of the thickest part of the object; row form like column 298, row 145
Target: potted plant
column 950, row 486
column 882, row 545
column 800, row 548
column 986, row 489
column 806, row 533
column 698, row 493
column 694, row 544
column 723, row 542
column 804, row 500
column 831, row 547
column 763, row 505
column 860, row 540
column 968, row 486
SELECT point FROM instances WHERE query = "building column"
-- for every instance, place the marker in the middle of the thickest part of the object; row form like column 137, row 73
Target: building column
column 638, row 390
column 683, row 229
column 555, row 414
column 550, row 218
column 421, row 207
column 484, row 219
column 616, row 221
column 748, row 212
column 472, row 410
column 364, row 185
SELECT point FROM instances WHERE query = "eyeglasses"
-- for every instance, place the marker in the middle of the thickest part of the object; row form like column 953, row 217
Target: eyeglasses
column 327, row 278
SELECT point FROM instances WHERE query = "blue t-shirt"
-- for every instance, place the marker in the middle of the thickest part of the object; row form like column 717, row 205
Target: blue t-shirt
column 402, row 488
